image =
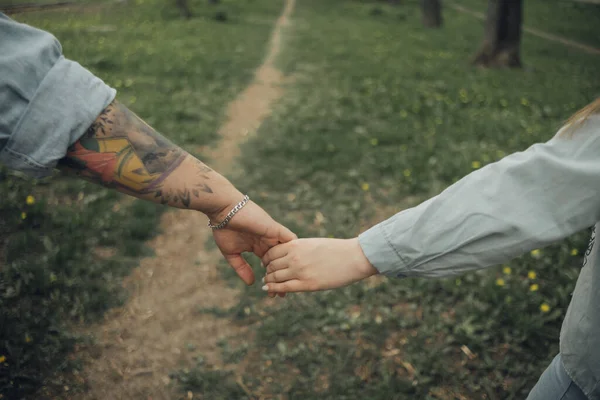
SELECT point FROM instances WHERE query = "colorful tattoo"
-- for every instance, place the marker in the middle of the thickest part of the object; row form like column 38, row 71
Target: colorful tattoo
column 119, row 150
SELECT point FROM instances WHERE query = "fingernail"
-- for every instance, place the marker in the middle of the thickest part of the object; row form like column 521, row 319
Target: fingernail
column 265, row 288
column 263, row 279
column 262, row 264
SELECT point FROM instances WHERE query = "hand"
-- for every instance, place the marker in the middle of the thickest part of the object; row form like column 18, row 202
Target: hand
column 251, row 229
column 307, row 265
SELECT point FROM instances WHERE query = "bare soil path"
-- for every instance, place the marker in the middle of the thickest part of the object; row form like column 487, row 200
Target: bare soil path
column 142, row 342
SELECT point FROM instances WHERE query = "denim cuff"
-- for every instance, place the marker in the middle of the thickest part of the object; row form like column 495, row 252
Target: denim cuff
column 67, row 101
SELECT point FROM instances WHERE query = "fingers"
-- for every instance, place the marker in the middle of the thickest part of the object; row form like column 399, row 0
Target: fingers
column 280, row 276
column 276, row 265
column 292, row 286
column 241, row 268
column 274, row 253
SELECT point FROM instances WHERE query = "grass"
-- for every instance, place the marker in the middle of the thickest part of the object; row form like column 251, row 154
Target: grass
column 558, row 17
column 65, row 251
column 383, row 114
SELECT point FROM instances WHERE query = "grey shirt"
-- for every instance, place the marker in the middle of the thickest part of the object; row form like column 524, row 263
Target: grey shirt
column 46, row 101
column 523, row 202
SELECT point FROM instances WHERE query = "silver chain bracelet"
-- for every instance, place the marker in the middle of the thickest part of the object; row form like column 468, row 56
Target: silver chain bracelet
column 231, row 213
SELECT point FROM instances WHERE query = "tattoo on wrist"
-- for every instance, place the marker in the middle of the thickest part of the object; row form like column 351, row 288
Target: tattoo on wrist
column 121, row 151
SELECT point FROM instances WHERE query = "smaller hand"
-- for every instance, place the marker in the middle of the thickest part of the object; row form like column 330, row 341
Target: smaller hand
column 307, row 265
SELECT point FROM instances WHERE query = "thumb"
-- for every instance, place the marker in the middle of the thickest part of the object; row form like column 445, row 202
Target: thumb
column 241, row 268
column 285, row 235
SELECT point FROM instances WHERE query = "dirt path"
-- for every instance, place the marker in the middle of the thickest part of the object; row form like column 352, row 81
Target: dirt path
column 536, row 32
column 141, row 343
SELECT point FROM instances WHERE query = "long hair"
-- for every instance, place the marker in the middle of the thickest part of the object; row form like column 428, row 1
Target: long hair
column 581, row 116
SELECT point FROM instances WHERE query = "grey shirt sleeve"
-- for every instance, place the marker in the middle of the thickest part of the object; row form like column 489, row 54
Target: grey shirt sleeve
column 46, row 101
column 525, row 201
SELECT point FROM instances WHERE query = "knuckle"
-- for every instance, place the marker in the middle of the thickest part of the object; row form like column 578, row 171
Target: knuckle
column 271, row 268
column 304, row 271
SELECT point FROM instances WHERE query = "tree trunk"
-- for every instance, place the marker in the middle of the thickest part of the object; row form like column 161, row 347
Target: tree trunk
column 184, row 8
column 432, row 13
column 502, row 40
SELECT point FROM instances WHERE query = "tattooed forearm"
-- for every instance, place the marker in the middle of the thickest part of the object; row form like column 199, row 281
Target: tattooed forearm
column 121, row 151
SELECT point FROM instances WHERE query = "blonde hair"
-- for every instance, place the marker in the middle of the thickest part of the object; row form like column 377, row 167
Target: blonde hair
column 581, row 116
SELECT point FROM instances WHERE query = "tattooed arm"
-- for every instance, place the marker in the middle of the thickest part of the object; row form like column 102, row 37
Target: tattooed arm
column 122, row 152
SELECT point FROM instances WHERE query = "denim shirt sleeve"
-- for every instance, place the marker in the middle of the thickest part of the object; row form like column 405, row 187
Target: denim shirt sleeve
column 525, row 201
column 46, row 101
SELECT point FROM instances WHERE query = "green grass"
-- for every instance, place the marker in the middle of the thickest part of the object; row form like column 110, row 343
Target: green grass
column 379, row 100
column 63, row 260
column 558, row 17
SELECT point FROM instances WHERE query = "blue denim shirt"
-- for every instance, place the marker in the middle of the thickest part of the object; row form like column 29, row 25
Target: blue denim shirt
column 523, row 202
column 46, row 101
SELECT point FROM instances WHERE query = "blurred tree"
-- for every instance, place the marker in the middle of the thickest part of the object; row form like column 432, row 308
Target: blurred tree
column 432, row 13
column 184, row 9
column 502, row 38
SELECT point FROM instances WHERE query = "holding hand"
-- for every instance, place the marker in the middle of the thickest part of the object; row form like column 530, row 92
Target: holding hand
column 251, row 230
column 306, row 265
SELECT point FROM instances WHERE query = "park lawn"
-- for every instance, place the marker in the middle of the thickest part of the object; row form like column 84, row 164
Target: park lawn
column 65, row 245
column 576, row 20
column 382, row 114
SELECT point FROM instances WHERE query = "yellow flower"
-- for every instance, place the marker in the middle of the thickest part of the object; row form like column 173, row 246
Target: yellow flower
column 2, row 359
column 28, row 339
column 534, row 287
column 475, row 164
column 531, row 275
column 536, row 253
column 507, row 270
column 374, row 142
column 365, row 186
column 574, row 252
column 406, row 172
column 544, row 308
column 30, row 200
column 500, row 282
column 23, row 215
